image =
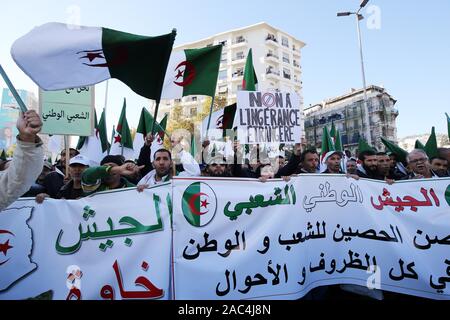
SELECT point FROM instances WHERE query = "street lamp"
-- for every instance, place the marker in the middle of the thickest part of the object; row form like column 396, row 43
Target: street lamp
column 366, row 109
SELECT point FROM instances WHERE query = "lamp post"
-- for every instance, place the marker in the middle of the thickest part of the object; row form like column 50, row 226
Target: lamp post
column 365, row 107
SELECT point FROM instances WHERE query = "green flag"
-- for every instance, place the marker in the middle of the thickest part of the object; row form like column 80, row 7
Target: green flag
column 338, row 142
column 333, row 130
column 431, row 145
column 419, row 145
column 145, row 123
column 123, row 144
column 3, row 155
column 100, row 132
column 250, row 80
column 394, row 148
column 363, row 146
column 193, row 146
column 327, row 143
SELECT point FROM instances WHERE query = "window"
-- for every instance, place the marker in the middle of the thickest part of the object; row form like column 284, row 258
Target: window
column 223, row 75
column 194, row 98
column 286, row 57
column 295, row 63
column 239, row 55
column 224, row 42
column 271, row 36
column 239, row 39
column 239, row 72
column 285, row 42
column 223, row 89
column 286, row 73
column 355, row 124
column 224, row 57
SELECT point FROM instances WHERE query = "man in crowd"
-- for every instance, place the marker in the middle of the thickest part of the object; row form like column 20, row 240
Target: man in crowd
column 368, row 168
column 351, row 166
column 54, row 181
column 332, row 161
column 300, row 162
column 383, row 167
column 72, row 189
column 26, row 164
column 440, row 166
column 109, row 175
column 419, row 166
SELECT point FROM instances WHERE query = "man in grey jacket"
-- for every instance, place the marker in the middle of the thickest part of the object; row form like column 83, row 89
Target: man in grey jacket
column 26, row 164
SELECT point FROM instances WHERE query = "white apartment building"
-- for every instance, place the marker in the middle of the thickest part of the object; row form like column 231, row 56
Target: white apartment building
column 276, row 59
column 345, row 112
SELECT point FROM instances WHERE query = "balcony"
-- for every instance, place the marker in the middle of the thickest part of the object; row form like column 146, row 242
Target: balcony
column 272, row 74
column 272, row 40
column 238, row 60
column 286, row 75
column 272, row 57
column 295, row 64
column 239, row 42
column 237, row 75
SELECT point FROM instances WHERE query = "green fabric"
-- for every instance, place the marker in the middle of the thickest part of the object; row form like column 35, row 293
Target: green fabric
column 146, row 121
column 363, row 146
column 250, row 80
column 92, row 177
column 138, row 61
column 338, row 142
column 123, row 129
column 327, row 143
column 101, row 133
column 431, row 145
column 394, row 148
column 3, row 155
column 333, row 130
column 419, row 145
column 205, row 63
column 193, row 146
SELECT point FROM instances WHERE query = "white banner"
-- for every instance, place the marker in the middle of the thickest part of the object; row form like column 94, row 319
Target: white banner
column 268, row 117
column 242, row 239
column 112, row 245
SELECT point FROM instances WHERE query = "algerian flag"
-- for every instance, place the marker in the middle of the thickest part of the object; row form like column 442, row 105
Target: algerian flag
column 192, row 72
column 95, row 147
column 123, row 143
column 60, row 56
column 221, row 120
column 250, row 80
column 158, row 142
column 431, row 145
column 144, row 127
column 16, row 244
column 338, row 141
column 199, row 204
column 327, row 143
column 363, row 146
column 3, row 155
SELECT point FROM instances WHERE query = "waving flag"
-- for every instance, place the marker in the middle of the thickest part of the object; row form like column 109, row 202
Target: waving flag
column 192, row 72
column 249, row 82
column 122, row 143
column 60, row 56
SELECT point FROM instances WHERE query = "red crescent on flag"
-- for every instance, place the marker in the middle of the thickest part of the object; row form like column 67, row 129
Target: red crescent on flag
column 190, row 70
column 192, row 204
column 6, row 231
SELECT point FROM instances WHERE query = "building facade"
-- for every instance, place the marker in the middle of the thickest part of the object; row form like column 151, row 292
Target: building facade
column 276, row 59
column 346, row 113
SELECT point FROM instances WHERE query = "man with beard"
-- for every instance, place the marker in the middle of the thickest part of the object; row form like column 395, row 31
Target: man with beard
column 300, row 162
column 332, row 161
column 109, row 175
column 216, row 167
column 368, row 169
column 419, row 166
column 383, row 167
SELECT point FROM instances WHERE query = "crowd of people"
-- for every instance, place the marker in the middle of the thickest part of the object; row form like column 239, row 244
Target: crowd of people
column 116, row 172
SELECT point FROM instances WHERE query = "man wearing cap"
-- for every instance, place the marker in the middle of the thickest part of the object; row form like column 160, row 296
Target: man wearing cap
column 109, row 175
column 332, row 162
column 26, row 164
column 72, row 190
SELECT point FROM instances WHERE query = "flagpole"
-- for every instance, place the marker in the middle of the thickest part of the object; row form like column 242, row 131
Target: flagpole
column 209, row 118
column 106, row 97
column 112, row 137
column 13, row 90
column 66, row 146
column 155, row 114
